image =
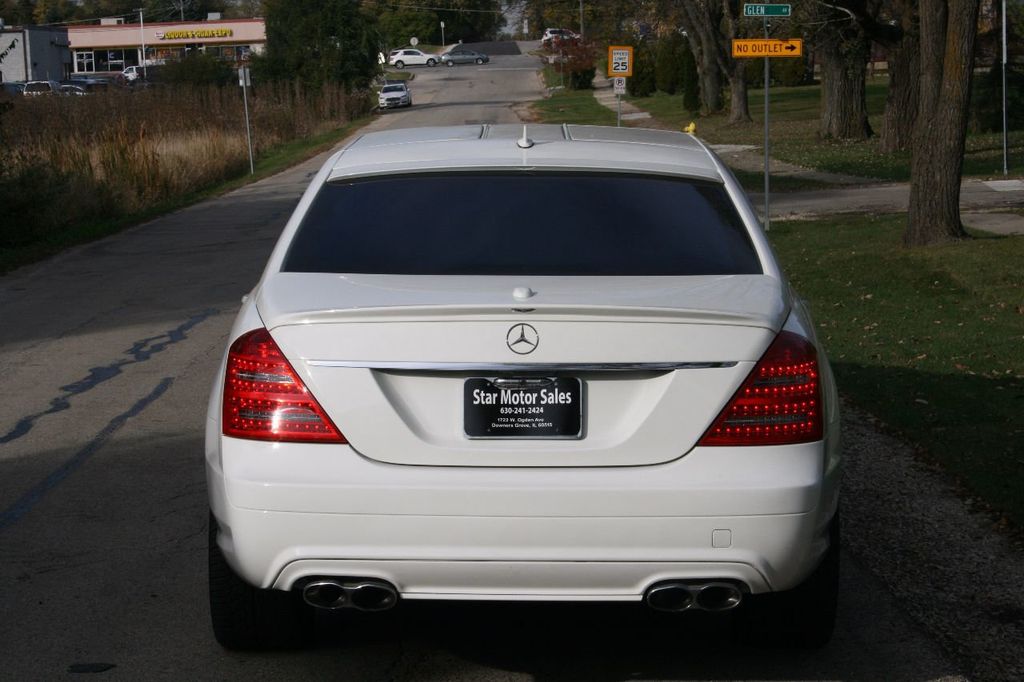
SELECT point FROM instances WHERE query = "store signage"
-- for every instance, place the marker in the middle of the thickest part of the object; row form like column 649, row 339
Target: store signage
column 196, row 33
column 8, row 49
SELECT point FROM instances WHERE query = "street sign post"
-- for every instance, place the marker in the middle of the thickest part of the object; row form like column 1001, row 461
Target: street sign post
column 619, row 88
column 752, row 10
column 620, row 67
column 620, row 61
column 245, row 81
column 766, row 48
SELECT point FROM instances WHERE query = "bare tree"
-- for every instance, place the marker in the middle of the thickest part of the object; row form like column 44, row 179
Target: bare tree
column 948, row 31
column 710, row 27
column 700, row 20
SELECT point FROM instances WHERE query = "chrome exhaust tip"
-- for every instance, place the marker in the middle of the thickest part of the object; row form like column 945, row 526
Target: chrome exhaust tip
column 362, row 595
column 669, row 597
column 718, row 596
column 679, row 596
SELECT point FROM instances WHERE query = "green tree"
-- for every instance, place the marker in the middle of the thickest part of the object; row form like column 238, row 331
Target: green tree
column 397, row 26
column 668, row 72
column 321, row 41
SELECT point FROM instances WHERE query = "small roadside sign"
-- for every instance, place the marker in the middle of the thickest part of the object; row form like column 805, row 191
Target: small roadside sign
column 243, row 77
column 751, row 48
column 752, row 10
column 619, row 85
column 620, row 61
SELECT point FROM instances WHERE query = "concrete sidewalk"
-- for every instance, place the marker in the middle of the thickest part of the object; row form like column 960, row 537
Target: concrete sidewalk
column 984, row 204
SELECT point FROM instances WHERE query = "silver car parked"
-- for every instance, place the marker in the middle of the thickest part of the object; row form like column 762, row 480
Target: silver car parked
column 458, row 55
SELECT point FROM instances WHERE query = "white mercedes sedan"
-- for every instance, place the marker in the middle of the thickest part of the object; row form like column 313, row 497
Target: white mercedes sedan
column 540, row 363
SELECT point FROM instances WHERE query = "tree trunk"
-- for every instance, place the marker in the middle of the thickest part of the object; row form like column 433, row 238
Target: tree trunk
column 710, row 79
column 739, row 110
column 948, row 29
column 904, row 80
column 902, row 98
column 700, row 20
column 844, row 112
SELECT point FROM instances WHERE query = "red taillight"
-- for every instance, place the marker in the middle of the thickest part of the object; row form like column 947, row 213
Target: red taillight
column 779, row 403
column 264, row 399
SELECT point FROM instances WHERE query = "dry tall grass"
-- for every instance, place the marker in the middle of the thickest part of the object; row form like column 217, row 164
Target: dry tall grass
column 68, row 160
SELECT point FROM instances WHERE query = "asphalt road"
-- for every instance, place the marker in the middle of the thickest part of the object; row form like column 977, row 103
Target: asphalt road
column 107, row 354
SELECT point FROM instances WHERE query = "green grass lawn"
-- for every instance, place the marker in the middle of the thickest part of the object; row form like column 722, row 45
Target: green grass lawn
column 794, row 134
column 929, row 340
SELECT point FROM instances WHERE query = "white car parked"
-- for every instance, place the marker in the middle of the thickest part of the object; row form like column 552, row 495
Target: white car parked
column 624, row 403
column 410, row 57
column 394, row 95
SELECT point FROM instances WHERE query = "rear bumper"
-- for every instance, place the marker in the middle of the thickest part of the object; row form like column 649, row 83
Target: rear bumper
column 755, row 515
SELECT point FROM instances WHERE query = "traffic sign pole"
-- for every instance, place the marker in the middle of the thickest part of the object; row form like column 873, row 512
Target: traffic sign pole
column 767, row 158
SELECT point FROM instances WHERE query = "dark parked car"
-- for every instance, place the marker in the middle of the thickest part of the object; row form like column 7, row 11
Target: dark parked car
column 12, row 89
column 458, row 55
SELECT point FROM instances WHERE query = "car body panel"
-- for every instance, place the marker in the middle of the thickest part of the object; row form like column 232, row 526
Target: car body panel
column 412, row 501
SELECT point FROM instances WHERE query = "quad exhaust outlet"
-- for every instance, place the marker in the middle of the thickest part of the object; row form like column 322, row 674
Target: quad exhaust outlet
column 680, row 596
column 362, row 595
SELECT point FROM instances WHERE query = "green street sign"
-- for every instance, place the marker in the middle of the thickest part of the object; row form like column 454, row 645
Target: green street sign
column 752, row 10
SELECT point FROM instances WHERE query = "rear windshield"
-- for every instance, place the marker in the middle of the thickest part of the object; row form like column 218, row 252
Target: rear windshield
column 523, row 224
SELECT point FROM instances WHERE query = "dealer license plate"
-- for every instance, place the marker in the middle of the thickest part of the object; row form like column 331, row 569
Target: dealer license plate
column 526, row 407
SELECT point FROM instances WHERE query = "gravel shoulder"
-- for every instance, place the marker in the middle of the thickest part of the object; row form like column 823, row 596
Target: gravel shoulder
column 946, row 563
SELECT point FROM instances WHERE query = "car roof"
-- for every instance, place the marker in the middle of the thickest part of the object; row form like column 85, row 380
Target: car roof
column 496, row 147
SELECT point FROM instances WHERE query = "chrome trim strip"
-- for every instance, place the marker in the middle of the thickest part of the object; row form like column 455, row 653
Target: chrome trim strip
column 402, row 365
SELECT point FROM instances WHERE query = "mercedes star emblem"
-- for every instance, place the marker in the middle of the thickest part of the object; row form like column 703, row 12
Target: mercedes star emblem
column 522, row 339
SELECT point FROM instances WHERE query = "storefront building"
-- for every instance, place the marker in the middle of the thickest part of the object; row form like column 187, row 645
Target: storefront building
column 112, row 47
column 29, row 53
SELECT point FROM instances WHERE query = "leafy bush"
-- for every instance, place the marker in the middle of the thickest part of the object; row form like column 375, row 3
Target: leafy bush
column 198, row 68
column 668, row 72
column 986, row 113
column 577, row 60
column 643, row 83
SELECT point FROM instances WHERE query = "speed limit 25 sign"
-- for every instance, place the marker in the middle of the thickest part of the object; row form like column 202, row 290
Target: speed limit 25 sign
column 620, row 61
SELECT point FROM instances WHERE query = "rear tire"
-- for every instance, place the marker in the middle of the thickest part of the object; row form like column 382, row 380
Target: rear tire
column 399, row 64
column 247, row 618
column 801, row 618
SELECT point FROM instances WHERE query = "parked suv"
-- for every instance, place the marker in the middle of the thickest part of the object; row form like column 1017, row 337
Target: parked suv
column 553, row 34
column 625, row 404
column 412, row 57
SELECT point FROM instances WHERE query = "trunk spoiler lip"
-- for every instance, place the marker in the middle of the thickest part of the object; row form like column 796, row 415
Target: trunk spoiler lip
column 544, row 367
column 771, row 321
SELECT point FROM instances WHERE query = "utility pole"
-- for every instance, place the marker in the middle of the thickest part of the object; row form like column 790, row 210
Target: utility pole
column 1006, row 168
column 581, row 19
column 142, row 37
column 767, row 151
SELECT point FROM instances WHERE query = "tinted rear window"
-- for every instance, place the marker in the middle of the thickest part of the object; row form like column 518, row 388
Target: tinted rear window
column 523, row 224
